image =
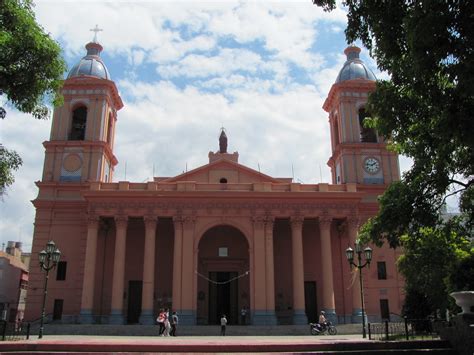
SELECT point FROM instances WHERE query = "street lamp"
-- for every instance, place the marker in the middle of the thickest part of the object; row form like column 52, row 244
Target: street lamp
column 368, row 258
column 48, row 259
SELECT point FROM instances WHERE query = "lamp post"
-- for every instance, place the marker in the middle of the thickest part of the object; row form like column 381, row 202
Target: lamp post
column 48, row 259
column 368, row 258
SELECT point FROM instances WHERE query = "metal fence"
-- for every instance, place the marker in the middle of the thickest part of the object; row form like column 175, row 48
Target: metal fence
column 14, row 331
column 406, row 329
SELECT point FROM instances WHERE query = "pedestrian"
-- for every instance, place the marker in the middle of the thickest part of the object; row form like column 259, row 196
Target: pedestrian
column 161, row 321
column 174, row 324
column 223, row 324
column 167, row 323
column 243, row 315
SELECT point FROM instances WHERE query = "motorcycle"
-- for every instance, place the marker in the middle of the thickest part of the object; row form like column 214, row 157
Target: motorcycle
column 318, row 329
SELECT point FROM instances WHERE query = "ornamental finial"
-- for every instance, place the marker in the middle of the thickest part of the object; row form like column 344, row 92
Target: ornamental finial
column 95, row 30
column 223, row 141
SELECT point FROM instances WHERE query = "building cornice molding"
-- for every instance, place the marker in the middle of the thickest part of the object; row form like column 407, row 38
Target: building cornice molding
column 236, row 209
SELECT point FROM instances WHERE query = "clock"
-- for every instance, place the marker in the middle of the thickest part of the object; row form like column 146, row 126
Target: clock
column 371, row 165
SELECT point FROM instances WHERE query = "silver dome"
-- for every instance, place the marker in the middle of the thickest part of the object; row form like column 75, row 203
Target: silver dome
column 91, row 64
column 354, row 68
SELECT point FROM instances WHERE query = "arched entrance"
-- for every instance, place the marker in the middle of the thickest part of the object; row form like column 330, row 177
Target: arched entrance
column 223, row 278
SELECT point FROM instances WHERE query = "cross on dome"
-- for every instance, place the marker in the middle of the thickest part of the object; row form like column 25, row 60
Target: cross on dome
column 95, row 30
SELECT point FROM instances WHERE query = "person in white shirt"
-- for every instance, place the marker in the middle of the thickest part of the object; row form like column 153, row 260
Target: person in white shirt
column 223, row 324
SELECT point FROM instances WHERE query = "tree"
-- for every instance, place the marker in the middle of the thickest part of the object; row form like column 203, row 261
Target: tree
column 31, row 70
column 426, row 108
column 429, row 263
column 426, row 111
column 9, row 160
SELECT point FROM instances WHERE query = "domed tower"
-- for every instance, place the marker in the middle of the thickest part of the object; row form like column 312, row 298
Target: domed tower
column 359, row 154
column 81, row 144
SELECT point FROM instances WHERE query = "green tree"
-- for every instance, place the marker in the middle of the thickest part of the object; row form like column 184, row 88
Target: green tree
column 9, row 161
column 426, row 111
column 426, row 108
column 31, row 70
column 428, row 265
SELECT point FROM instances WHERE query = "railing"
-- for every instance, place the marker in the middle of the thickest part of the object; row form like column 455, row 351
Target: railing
column 21, row 330
column 14, row 331
column 406, row 329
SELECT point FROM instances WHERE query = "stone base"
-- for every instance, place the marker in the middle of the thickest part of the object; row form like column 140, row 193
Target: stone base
column 116, row 317
column 147, row 318
column 86, row 317
column 264, row 318
column 357, row 316
column 299, row 317
column 186, row 317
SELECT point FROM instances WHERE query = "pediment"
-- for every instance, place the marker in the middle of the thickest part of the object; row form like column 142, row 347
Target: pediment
column 232, row 172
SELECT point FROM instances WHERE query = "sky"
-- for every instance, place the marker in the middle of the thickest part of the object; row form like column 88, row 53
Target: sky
column 184, row 69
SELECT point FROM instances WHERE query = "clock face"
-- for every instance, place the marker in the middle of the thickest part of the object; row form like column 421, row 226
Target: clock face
column 371, row 165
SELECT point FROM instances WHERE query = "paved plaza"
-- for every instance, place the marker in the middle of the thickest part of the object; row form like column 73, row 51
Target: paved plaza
column 86, row 344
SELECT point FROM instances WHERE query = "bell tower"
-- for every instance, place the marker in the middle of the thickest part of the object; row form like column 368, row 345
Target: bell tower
column 81, row 144
column 359, row 154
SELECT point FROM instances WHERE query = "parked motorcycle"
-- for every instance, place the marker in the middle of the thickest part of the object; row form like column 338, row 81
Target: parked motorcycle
column 319, row 329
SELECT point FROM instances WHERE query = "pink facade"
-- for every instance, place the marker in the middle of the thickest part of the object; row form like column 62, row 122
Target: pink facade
column 214, row 239
column 13, row 283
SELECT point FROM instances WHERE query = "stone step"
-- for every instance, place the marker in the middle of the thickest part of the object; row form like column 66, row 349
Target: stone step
column 289, row 345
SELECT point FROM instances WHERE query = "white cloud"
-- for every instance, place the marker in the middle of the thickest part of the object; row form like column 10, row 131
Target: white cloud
column 137, row 57
column 228, row 61
column 25, row 135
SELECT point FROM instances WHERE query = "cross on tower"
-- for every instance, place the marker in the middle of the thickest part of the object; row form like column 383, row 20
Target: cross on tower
column 96, row 29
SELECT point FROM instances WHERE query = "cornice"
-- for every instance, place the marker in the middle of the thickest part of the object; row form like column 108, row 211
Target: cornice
column 237, row 208
column 91, row 86
column 59, row 145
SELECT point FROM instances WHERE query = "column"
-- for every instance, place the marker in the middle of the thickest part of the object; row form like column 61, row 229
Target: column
column 259, row 312
column 188, row 314
column 269, row 271
column 353, row 227
column 116, row 311
column 147, row 316
column 299, row 313
column 328, row 304
column 87, row 300
column 251, row 298
column 177, row 262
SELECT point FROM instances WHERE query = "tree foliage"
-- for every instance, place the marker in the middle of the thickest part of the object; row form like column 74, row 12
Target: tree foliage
column 430, row 262
column 9, row 161
column 426, row 108
column 426, row 111
column 31, row 66
column 31, row 69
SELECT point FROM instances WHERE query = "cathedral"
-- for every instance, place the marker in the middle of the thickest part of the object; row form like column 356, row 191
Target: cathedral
column 215, row 239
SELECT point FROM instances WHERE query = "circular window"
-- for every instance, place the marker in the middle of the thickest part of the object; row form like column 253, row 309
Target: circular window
column 223, row 181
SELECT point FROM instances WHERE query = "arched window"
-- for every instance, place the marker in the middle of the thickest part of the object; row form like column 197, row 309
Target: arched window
column 78, row 126
column 367, row 135
column 223, row 181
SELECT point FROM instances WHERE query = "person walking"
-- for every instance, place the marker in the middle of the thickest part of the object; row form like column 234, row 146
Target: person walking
column 243, row 315
column 167, row 323
column 174, row 323
column 223, row 324
column 161, row 321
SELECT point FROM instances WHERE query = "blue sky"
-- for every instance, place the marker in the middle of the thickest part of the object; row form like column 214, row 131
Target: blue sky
column 184, row 69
